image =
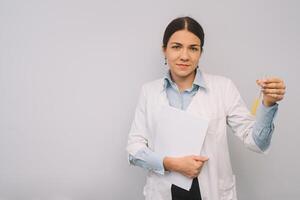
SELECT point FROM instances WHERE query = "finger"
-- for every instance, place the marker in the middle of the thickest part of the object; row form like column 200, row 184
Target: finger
column 276, row 96
column 274, row 91
column 201, row 158
column 200, row 165
column 272, row 79
column 260, row 83
column 274, row 86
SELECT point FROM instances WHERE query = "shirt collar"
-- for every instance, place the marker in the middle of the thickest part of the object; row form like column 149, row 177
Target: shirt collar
column 198, row 81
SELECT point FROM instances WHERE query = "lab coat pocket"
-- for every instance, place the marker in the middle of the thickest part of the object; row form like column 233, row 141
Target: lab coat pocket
column 227, row 189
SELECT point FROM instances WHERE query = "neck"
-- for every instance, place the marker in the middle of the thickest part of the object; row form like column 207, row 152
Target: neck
column 184, row 83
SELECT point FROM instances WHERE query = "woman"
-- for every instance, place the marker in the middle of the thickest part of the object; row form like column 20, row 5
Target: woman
column 187, row 88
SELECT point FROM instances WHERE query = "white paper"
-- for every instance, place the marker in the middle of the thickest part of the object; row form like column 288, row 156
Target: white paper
column 179, row 133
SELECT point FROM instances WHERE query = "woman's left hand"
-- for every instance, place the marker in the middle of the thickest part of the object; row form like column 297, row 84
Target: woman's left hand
column 273, row 89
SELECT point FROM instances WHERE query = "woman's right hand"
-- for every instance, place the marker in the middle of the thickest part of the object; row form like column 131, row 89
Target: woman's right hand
column 189, row 166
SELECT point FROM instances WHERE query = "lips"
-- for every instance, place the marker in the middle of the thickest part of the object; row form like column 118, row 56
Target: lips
column 182, row 66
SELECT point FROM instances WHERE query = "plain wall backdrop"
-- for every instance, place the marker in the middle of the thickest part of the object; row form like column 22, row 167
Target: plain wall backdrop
column 71, row 73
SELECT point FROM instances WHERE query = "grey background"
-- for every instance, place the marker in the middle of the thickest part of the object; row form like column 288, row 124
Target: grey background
column 71, row 72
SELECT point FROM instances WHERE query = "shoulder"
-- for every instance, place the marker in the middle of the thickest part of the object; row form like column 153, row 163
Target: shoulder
column 222, row 88
column 153, row 86
column 213, row 80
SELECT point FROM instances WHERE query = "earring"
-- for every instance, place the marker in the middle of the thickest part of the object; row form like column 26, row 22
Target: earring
column 165, row 61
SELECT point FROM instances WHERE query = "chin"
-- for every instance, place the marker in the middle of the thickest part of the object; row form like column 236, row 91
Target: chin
column 183, row 73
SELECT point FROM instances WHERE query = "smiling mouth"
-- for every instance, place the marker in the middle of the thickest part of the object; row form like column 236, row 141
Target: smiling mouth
column 182, row 65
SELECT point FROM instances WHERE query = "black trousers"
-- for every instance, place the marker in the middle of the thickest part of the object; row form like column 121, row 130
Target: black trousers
column 179, row 193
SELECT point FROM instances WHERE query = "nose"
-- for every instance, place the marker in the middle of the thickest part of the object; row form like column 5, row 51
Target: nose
column 184, row 56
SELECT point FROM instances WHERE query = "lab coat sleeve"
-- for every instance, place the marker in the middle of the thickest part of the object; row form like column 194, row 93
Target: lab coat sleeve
column 149, row 160
column 264, row 126
column 138, row 137
column 239, row 118
column 139, row 153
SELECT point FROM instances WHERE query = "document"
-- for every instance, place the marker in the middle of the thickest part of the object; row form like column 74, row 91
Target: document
column 179, row 133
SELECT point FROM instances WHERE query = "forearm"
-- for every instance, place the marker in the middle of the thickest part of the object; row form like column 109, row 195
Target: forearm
column 264, row 127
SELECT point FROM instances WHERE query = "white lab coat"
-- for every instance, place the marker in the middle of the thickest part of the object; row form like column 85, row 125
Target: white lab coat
column 222, row 104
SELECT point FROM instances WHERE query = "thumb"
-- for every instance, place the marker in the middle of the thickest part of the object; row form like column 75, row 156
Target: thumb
column 201, row 158
column 259, row 82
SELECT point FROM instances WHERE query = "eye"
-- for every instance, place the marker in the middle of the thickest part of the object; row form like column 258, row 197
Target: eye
column 175, row 47
column 194, row 48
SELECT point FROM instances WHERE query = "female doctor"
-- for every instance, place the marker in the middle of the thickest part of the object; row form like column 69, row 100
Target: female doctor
column 187, row 88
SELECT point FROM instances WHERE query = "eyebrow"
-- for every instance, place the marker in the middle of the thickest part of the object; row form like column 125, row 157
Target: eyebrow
column 189, row 45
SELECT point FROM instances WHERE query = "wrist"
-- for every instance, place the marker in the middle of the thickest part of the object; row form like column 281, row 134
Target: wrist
column 268, row 104
column 169, row 163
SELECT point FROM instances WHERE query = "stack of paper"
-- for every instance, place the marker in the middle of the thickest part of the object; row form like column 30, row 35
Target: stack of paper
column 179, row 133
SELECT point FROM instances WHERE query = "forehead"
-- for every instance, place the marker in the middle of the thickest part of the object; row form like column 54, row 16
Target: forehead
column 184, row 37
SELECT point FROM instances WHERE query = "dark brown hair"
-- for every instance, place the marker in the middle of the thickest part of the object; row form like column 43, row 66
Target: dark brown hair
column 182, row 23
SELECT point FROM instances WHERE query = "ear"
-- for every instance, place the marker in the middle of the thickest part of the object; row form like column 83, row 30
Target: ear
column 163, row 50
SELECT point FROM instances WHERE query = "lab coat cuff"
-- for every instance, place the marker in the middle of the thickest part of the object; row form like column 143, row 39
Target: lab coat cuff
column 159, row 168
